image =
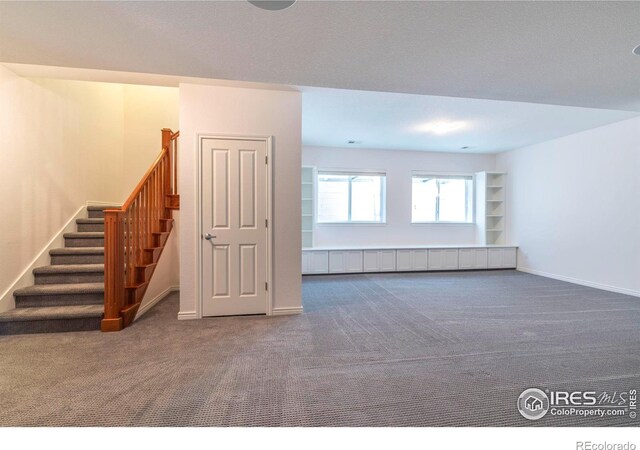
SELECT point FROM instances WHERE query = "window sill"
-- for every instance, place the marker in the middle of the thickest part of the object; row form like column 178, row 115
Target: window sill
column 444, row 223
column 349, row 224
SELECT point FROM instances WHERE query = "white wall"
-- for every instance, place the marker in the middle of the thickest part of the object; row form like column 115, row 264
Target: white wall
column 68, row 143
column 244, row 112
column 574, row 206
column 398, row 166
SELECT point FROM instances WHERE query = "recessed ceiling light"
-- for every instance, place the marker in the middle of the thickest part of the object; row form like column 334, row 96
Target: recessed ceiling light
column 441, row 127
column 275, row 5
column 636, row 51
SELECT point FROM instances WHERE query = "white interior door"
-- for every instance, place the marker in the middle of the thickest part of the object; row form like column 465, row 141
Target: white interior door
column 234, row 227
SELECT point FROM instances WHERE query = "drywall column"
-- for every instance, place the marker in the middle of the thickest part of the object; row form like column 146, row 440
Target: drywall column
column 244, row 112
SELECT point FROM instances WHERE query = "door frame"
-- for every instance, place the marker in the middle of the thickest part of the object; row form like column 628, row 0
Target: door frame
column 268, row 140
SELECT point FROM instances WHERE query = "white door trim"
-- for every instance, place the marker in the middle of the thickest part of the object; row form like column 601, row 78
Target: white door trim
column 268, row 140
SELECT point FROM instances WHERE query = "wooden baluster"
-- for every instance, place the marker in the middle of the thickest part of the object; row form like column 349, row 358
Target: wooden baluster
column 114, row 270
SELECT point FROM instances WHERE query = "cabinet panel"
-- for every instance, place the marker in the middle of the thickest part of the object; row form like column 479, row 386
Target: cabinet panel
column 371, row 261
column 420, row 259
column 337, row 262
column 480, row 258
column 494, row 258
column 509, row 258
column 345, row 261
column 387, row 260
column 504, row 258
column 354, row 261
column 403, row 260
column 443, row 259
column 305, row 262
column 379, row 260
column 318, row 262
column 467, row 258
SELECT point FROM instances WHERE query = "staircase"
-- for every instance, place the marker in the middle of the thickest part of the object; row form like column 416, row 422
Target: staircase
column 98, row 280
column 68, row 295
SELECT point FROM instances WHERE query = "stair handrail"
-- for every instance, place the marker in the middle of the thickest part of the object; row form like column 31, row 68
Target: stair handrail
column 134, row 236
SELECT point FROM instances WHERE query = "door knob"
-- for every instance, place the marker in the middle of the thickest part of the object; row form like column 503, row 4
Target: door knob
column 209, row 236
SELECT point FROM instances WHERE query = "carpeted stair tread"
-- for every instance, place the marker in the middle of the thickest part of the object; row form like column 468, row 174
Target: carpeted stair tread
column 102, row 208
column 89, row 220
column 84, row 235
column 69, row 268
column 52, row 313
column 60, row 289
column 77, row 251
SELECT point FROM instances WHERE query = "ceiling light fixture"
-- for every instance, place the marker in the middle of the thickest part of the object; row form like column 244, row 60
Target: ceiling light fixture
column 441, row 127
column 636, row 51
column 275, row 5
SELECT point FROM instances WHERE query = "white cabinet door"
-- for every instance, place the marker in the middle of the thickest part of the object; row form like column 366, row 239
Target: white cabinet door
column 371, row 261
column 379, row 260
column 443, row 259
column 387, row 260
column 494, row 258
column 420, row 259
column 467, row 258
column 480, row 258
column 403, row 260
column 412, row 260
column 318, row 262
column 509, row 258
column 502, row 258
column 345, row 261
column 473, row 258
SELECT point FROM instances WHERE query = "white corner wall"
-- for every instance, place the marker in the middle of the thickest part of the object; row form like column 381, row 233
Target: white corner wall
column 244, row 112
column 399, row 166
column 574, row 206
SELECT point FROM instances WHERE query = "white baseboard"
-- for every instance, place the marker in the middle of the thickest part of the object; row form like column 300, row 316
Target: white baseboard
column 187, row 315
column 151, row 303
column 25, row 279
column 604, row 287
column 286, row 311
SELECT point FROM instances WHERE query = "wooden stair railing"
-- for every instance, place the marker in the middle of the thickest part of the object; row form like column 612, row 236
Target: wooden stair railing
column 135, row 235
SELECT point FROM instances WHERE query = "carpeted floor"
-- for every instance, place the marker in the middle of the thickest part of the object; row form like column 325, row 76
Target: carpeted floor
column 434, row 349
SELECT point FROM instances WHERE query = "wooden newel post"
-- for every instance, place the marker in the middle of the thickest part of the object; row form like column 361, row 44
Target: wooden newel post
column 113, row 270
column 166, row 147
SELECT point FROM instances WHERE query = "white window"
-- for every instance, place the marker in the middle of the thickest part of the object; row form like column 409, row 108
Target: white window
column 437, row 198
column 351, row 197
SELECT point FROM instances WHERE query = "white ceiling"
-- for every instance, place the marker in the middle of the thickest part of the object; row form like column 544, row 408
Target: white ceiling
column 332, row 117
column 567, row 53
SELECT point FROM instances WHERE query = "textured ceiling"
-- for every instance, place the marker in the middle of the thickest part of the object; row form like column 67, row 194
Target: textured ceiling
column 332, row 117
column 565, row 53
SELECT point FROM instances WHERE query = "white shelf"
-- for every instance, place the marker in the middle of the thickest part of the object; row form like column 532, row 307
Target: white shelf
column 307, row 194
column 490, row 208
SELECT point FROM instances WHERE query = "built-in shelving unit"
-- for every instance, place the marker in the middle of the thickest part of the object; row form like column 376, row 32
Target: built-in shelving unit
column 491, row 207
column 308, row 175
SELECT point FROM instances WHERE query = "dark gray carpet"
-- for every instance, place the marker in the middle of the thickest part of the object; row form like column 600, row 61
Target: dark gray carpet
column 430, row 349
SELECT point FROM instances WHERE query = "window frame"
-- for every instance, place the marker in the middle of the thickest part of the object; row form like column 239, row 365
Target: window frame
column 353, row 173
column 470, row 197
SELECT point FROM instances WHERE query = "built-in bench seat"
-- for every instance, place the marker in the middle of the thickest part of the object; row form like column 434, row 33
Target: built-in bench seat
column 319, row 260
